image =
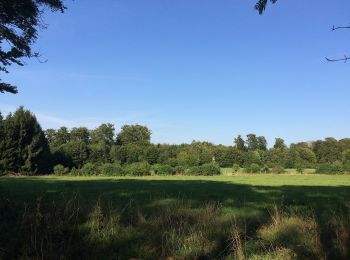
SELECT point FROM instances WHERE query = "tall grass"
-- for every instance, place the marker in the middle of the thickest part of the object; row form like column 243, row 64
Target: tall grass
column 100, row 231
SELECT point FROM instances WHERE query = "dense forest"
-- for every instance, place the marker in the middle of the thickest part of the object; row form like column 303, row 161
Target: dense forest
column 27, row 149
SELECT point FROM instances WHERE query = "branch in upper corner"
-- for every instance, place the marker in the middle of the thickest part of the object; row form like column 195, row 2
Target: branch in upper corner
column 340, row 27
column 345, row 59
column 4, row 87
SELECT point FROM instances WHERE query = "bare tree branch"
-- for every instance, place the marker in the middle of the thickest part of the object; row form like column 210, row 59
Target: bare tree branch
column 345, row 59
column 340, row 27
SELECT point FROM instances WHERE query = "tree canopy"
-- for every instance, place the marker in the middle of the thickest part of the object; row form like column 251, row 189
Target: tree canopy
column 19, row 24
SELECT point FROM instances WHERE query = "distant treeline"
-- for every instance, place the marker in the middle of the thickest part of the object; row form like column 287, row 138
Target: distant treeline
column 25, row 148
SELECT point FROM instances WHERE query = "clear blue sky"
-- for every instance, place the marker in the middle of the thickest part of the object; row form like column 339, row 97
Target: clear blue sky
column 192, row 69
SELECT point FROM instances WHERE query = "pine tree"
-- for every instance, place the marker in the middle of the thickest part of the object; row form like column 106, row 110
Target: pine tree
column 24, row 149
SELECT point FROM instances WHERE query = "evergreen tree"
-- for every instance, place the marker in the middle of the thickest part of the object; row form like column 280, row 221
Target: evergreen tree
column 24, row 147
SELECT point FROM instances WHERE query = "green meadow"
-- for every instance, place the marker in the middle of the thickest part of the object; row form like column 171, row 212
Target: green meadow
column 287, row 216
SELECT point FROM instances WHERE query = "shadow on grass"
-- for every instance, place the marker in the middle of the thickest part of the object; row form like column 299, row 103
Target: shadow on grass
column 62, row 232
column 234, row 198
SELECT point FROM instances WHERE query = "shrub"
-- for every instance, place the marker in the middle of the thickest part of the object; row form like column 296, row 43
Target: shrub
column 278, row 169
column 210, row 169
column 265, row 169
column 194, row 170
column 300, row 170
column 110, row 169
column 163, row 169
column 89, row 169
column 334, row 168
column 207, row 169
column 138, row 169
column 235, row 168
column 179, row 169
column 253, row 168
column 60, row 170
column 74, row 172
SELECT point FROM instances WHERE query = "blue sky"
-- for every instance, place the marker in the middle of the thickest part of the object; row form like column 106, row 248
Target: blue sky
column 192, row 69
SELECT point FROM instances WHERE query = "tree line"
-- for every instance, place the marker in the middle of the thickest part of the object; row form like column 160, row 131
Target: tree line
column 27, row 149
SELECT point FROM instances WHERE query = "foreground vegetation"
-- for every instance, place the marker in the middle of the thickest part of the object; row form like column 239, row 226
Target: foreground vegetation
column 223, row 217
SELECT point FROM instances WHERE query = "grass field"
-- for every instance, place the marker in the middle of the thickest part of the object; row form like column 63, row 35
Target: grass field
column 177, row 216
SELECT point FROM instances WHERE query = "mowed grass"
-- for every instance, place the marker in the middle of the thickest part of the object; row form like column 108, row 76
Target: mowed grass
column 177, row 217
column 240, row 193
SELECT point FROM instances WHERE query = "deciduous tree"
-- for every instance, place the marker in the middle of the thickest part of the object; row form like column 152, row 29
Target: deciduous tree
column 19, row 24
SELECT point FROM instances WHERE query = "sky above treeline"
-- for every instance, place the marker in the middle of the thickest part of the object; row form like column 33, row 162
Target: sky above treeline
column 192, row 69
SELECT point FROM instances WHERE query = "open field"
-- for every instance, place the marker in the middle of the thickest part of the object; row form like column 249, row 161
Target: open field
column 174, row 216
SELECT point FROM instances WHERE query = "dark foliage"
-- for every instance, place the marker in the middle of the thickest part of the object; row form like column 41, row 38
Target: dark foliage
column 19, row 24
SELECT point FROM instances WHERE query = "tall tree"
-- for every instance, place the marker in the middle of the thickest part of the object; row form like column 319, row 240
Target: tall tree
column 239, row 143
column 102, row 139
column 262, row 143
column 134, row 134
column 80, row 134
column 279, row 144
column 252, row 142
column 19, row 24
column 25, row 147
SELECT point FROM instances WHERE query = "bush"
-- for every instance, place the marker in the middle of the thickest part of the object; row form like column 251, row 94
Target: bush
column 138, row 169
column 74, row 172
column 300, row 170
column 110, row 169
column 253, row 168
column 180, row 169
column 194, row 170
column 60, row 170
column 334, row 168
column 207, row 169
column 265, row 169
column 163, row 169
column 235, row 168
column 210, row 169
column 89, row 169
column 278, row 169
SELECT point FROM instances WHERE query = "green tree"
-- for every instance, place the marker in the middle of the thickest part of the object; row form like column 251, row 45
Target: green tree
column 262, row 143
column 102, row 140
column 277, row 156
column 239, row 143
column 56, row 138
column 279, row 144
column 77, row 153
column 134, row 153
column 327, row 151
column 24, row 147
column 252, row 157
column 80, row 134
column 2, row 143
column 134, row 134
column 252, row 142
column 19, row 24
column 187, row 159
column 151, row 154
